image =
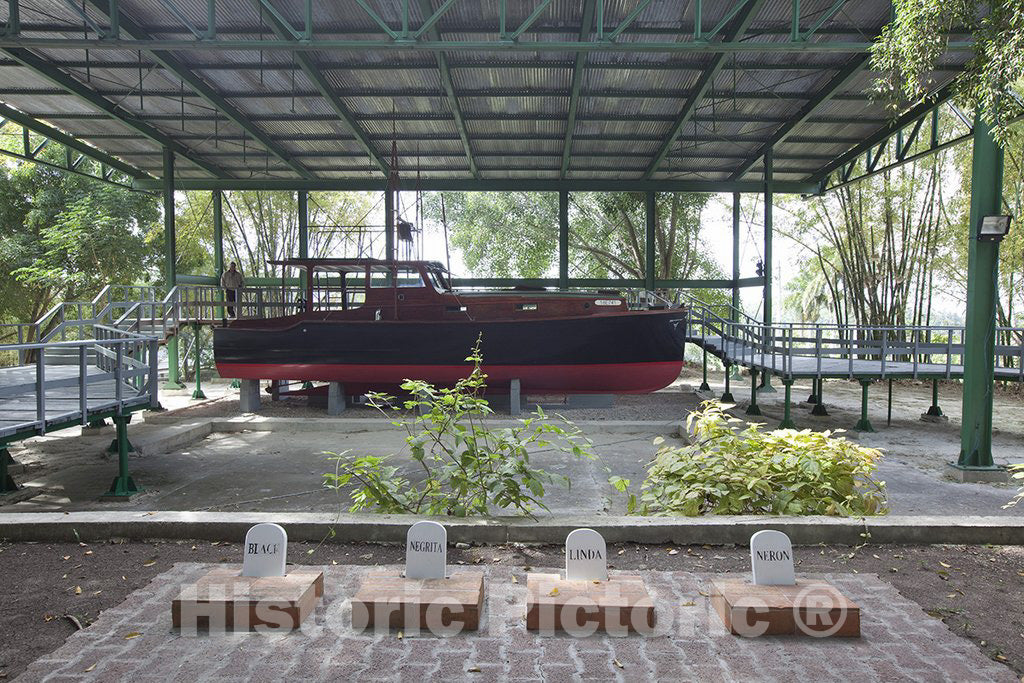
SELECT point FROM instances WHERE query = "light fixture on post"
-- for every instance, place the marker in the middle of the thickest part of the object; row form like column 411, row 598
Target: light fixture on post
column 993, row 228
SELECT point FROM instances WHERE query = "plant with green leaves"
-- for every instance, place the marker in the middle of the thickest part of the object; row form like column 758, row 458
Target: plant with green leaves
column 468, row 467
column 1017, row 473
column 728, row 471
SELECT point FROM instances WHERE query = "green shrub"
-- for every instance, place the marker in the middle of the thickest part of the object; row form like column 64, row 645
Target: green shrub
column 469, row 467
column 1018, row 473
column 784, row 472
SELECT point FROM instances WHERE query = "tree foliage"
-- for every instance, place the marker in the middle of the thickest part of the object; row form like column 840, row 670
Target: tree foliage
column 515, row 234
column 911, row 45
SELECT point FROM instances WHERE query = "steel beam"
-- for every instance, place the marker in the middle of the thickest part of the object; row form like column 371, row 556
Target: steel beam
column 838, row 82
column 577, row 85
column 111, row 110
column 309, row 68
column 444, row 71
column 651, row 214
column 704, row 83
column 487, row 185
column 201, row 88
column 563, row 239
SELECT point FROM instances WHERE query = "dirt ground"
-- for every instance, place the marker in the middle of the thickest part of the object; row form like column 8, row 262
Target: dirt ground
column 50, row 589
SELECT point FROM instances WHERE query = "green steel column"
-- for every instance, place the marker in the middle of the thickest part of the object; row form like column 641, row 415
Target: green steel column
column 170, row 265
column 819, row 405
column 704, row 386
column 563, row 239
column 982, row 290
column 123, row 486
column 303, row 233
column 934, row 408
column 727, row 394
column 864, row 424
column 753, row 408
column 7, row 483
column 389, row 224
column 787, row 417
column 218, row 242
column 651, row 212
column 766, row 385
column 735, row 256
column 197, row 331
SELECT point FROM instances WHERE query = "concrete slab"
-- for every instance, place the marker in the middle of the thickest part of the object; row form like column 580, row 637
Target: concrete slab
column 689, row 643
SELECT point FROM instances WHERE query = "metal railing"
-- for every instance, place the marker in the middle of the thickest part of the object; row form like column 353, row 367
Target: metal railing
column 820, row 349
column 120, row 368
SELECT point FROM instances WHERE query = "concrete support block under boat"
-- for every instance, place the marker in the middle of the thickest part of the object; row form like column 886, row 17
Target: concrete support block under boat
column 335, row 398
column 249, row 396
column 515, row 406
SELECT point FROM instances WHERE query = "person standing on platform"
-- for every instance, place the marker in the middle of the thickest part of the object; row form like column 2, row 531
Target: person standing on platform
column 232, row 281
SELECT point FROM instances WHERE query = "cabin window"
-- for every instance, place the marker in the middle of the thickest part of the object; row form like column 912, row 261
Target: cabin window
column 401, row 276
column 409, row 277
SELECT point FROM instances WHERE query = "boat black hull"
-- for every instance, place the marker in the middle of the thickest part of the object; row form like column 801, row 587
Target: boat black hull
column 621, row 353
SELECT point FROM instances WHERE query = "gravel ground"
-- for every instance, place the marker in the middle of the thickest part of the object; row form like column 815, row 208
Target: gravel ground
column 51, row 589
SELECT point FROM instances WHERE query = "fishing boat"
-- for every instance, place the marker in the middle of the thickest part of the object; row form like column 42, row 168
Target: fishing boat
column 371, row 324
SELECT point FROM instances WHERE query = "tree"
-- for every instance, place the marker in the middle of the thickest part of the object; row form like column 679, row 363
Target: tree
column 911, row 45
column 515, row 234
column 63, row 236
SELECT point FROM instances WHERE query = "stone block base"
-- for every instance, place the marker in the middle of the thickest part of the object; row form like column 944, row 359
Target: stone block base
column 222, row 600
column 618, row 606
column 981, row 475
column 925, row 417
column 386, row 599
column 811, row 608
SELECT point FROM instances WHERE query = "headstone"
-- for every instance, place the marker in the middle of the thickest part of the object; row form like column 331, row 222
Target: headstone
column 586, row 556
column 265, row 551
column 771, row 559
column 426, row 551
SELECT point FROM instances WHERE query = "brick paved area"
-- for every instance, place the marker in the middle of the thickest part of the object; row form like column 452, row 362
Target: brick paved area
column 899, row 642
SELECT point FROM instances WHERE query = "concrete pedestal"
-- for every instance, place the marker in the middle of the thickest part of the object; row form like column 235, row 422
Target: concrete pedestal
column 810, row 608
column 617, row 606
column 249, row 396
column 335, row 398
column 978, row 475
column 386, row 599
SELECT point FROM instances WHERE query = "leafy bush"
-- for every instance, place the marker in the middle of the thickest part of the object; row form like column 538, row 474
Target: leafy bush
column 783, row 472
column 1018, row 473
column 469, row 468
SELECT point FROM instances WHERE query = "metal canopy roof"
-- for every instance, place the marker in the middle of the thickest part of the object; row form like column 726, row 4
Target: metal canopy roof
column 475, row 94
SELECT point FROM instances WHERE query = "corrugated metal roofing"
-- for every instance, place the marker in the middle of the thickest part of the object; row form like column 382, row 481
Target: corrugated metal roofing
column 515, row 104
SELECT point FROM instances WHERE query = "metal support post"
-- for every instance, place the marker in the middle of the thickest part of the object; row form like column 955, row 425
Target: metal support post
column 7, row 483
column 218, row 243
column 303, row 201
column 123, row 486
column 170, row 265
column 389, row 224
column 864, row 424
column 888, row 415
column 769, row 198
column 727, row 394
column 813, row 396
column 819, row 406
column 704, row 386
column 563, row 239
column 753, row 408
column 787, row 418
column 982, row 292
column 197, row 331
column 651, row 213
column 934, row 410
column 735, row 312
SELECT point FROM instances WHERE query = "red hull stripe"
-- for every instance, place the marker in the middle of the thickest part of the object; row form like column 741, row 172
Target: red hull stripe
column 592, row 378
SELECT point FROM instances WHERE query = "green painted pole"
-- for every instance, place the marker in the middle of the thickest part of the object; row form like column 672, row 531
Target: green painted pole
column 864, row 424
column 769, row 198
column 170, row 265
column 197, row 331
column 735, row 317
column 753, row 408
column 218, row 242
column 813, row 398
column 651, row 212
column 123, row 486
column 727, row 396
column 389, row 224
column 819, row 406
column 787, row 417
column 704, row 386
column 7, row 483
column 303, row 201
column 982, row 291
column 934, row 408
column 563, row 240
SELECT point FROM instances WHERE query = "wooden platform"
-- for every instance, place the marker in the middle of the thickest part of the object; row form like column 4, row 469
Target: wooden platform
column 619, row 605
column 387, row 599
column 222, row 600
column 811, row 608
